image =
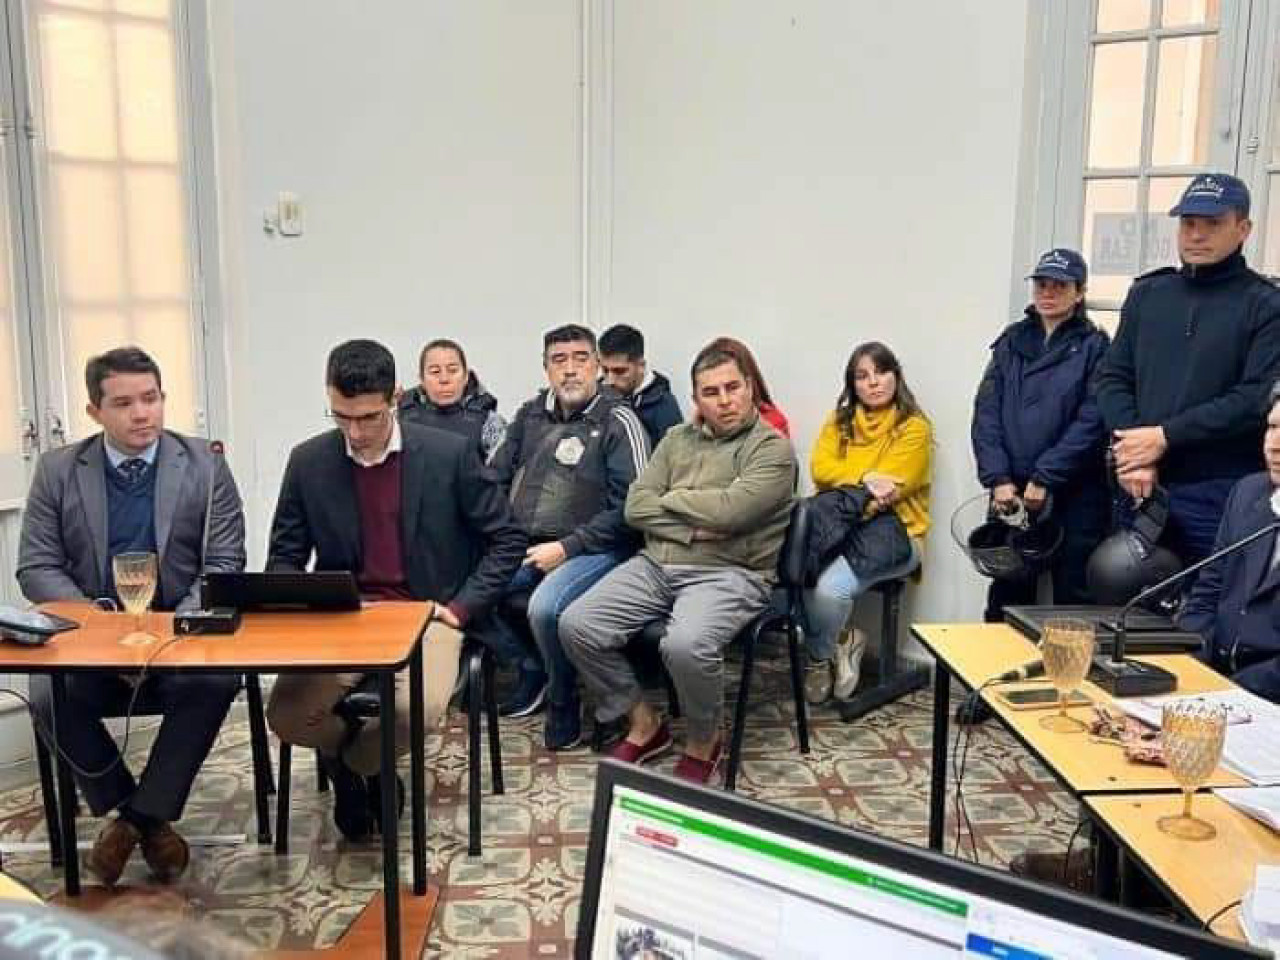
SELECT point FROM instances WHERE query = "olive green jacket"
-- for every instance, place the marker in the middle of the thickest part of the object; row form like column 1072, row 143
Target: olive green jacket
column 716, row 501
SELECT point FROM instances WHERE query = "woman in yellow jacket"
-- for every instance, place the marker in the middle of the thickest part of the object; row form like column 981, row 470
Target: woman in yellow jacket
column 877, row 438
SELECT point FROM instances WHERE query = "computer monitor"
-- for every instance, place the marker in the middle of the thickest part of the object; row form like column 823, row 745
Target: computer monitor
column 681, row 872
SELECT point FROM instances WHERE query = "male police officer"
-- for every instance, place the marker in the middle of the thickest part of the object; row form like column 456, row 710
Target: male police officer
column 1182, row 388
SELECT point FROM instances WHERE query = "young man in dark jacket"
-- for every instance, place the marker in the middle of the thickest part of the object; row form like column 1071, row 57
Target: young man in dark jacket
column 1182, row 388
column 411, row 512
column 1235, row 603
column 567, row 463
column 1038, row 437
column 449, row 396
column 627, row 371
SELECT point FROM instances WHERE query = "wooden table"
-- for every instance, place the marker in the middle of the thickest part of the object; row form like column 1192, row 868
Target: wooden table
column 1201, row 877
column 381, row 639
column 975, row 653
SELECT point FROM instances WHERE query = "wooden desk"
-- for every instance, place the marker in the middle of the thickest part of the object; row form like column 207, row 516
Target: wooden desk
column 11, row 889
column 382, row 638
column 975, row 653
column 1200, row 877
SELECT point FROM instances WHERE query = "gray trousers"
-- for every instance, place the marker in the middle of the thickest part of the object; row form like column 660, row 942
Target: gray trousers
column 704, row 609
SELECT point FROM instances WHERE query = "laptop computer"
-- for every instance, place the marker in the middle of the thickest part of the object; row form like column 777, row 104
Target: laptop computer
column 281, row 591
column 1145, row 633
column 683, row 872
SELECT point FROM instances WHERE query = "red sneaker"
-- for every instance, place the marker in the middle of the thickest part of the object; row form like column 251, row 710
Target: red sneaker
column 700, row 771
column 654, row 747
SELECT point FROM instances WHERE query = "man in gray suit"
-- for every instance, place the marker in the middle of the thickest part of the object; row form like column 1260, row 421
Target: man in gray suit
column 133, row 487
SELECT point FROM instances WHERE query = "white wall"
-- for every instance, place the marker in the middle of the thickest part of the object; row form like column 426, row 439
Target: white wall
column 435, row 147
column 806, row 176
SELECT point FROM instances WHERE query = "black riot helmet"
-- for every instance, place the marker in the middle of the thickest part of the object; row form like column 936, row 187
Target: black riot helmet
column 1130, row 560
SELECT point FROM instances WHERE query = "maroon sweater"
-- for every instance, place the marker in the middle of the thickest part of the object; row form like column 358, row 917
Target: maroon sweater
column 382, row 574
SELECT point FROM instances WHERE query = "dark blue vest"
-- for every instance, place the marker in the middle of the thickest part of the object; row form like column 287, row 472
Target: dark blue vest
column 131, row 516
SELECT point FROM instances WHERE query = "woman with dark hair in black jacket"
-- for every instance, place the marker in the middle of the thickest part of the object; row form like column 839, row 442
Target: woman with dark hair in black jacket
column 450, row 397
column 1037, row 431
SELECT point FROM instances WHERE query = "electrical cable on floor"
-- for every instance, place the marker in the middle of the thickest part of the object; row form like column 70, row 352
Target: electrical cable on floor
column 958, row 763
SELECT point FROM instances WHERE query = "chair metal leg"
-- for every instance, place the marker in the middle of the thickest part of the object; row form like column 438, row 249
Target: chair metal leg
column 890, row 611
column 48, row 793
column 322, row 778
column 261, row 751
column 495, row 733
column 740, row 708
column 797, row 685
column 282, row 798
column 474, row 706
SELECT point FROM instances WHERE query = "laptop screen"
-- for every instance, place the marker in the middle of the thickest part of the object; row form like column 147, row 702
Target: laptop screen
column 679, row 880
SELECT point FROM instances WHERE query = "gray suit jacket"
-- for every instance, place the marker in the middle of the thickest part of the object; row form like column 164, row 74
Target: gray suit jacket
column 63, row 552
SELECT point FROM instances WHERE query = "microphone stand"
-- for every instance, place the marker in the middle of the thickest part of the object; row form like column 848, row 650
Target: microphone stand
column 1131, row 678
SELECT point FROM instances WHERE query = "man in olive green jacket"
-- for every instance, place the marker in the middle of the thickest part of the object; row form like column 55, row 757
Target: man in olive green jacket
column 713, row 505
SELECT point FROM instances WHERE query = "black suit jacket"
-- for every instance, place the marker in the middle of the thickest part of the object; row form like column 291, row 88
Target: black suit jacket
column 1235, row 603
column 461, row 546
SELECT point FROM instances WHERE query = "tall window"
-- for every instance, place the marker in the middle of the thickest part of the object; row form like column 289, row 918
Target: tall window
column 98, row 220
column 1153, row 80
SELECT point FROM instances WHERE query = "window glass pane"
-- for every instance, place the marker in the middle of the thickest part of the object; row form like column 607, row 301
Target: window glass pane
column 10, row 394
column 86, row 236
column 1115, row 115
column 1108, row 320
column 145, row 8
column 81, row 4
column 1162, row 229
column 78, row 85
column 1110, row 236
column 1275, row 121
column 1123, row 15
column 1184, row 101
column 1271, row 257
column 148, row 103
column 119, row 232
column 154, row 227
column 1184, row 13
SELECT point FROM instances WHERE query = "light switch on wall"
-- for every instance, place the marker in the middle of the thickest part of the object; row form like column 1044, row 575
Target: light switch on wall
column 285, row 218
column 289, row 215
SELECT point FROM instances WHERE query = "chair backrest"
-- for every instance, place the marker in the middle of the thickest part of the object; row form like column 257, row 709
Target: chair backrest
column 791, row 559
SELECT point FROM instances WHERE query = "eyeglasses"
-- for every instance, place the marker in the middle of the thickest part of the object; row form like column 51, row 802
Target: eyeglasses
column 377, row 418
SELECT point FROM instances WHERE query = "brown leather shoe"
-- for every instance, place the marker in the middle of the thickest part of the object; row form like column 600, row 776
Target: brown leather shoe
column 112, row 850
column 166, row 853
column 1074, row 872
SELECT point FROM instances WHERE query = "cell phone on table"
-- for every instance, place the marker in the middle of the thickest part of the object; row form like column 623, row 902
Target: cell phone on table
column 31, row 626
column 1039, row 698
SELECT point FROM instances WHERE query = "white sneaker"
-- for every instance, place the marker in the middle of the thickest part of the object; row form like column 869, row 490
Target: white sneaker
column 848, row 660
column 818, row 680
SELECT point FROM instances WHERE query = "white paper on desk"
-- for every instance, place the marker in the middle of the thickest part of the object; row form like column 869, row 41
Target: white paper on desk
column 1266, row 894
column 1253, row 729
column 1261, row 803
column 1241, row 706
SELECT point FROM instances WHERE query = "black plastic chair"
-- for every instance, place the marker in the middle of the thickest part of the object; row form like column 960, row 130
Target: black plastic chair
column 263, row 785
column 894, row 679
column 785, row 612
column 477, row 662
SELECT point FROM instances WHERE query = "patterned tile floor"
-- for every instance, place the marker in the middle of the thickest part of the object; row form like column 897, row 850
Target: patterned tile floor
column 520, row 899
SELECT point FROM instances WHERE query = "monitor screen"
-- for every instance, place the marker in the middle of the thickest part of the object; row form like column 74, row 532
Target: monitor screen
column 679, row 873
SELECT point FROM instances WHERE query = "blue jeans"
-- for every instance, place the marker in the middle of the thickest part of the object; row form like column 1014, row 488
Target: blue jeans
column 1195, row 510
column 552, row 593
column 830, row 602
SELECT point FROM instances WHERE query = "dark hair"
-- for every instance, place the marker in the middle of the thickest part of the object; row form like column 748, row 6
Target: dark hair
column 710, row 357
column 361, row 366
column 441, row 343
column 569, row 333
column 623, row 339
column 885, row 361
column 741, row 355
column 1273, row 397
column 119, row 360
